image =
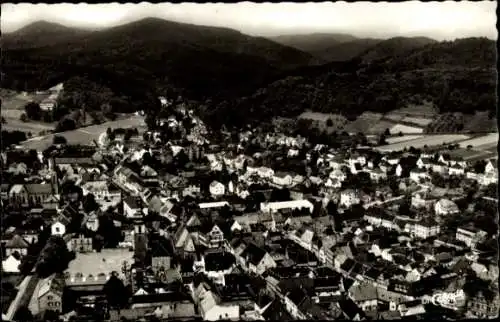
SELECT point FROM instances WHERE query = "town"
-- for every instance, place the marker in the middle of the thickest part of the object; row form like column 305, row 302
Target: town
column 182, row 222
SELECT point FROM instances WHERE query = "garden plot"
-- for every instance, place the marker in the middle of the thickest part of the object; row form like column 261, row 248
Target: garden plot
column 406, row 129
column 396, row 139
column 485, row 140
column 417, row 120
column 426, row 140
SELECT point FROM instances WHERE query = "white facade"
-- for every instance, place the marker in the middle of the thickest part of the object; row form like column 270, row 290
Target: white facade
column 217, row 189
column 349, row 198
column 283, row 180
column 423, row 230
column 445, row 207
column 292, row 204
column 58, row 228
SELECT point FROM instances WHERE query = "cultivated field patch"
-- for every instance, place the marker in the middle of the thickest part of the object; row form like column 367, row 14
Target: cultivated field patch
column 406, row 129
column 368, row 122
column 488, row 139
column 417, row 120
column 426, row 140
column 396, row 139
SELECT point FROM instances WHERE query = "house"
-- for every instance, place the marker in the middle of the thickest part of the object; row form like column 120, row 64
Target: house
column 337, row 174
column 456, row 170
column 423, row 229
column 80, row 244
column 365, row 296
column 491, row 167
column 256, row 259
column 418, row 175
column 50, row 293
column 446, row 207
column 377, row 175
column 101, row 190
column 162, row 253
column 58, row 228
column 131, row 207
column 217, row 189
column 481, row 307
column 282, row 179
column 32, row 193
column 424, row 162
column 91, row 221
column 11, row 264
column 273, row 207
column 470, row 235
column 210, row 236
column 262, row 172
column 209, row 300
column 349, row 198
column 16, row 244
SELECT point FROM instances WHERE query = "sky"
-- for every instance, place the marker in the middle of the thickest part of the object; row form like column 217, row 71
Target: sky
column 439, row 20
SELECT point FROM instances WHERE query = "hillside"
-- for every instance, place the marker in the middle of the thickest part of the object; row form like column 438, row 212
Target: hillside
column 458, row 76
column 346, row 50
column 39, row 34
column 394, row 47
column 312, row 43
column 197, row 61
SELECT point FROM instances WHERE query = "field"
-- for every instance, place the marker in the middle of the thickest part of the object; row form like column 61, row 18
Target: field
column 480, row 122
column 405, row 129
column 13, row 108
column 396, row 139
column 321, row 118
column 426, row 140
column 487, row 141
column 396, row 117
column 417, row 120
column 425, row 110
column 366, row 123
column 84, row 135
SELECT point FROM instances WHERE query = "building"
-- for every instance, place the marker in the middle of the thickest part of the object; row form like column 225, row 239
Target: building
column 423, row 229
column 446, row 207
column 32, row 193
column 80, row 244
column 282, row 179
column 470, row 235
column 217, row 189
column 131, row 207
column 58, row 228
column 50, row 294
column 16, row 244
column 101, row 190
column 256, row 259
column 349, row 198
column 290, row 205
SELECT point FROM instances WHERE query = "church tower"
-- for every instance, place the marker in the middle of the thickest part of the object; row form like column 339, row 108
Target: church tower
column 140, row 241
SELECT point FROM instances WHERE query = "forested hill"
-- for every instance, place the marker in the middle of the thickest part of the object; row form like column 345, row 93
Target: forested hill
column 198, row 61
column 457, row 76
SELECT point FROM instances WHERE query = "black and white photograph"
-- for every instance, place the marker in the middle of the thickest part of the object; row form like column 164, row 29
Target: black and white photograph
column 249, row 161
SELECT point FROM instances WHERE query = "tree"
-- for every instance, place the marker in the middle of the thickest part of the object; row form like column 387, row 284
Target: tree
column 59, row 140
column 387, row 132
column 23, row 314
column 23, row 117
column 116, row 292
column 329, row 122
column 89, row 203
column 54, row 257
column 33, row 111
column 3, row 120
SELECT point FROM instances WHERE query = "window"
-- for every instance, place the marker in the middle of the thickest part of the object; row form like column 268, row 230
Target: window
column 50, row 297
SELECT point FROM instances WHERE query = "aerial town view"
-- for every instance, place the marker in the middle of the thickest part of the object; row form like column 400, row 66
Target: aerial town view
column 248, row 161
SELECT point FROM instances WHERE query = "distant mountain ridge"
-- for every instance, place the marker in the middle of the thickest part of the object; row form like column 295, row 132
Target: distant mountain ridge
column 455, row 76
column 41, row 33
column 258, row 77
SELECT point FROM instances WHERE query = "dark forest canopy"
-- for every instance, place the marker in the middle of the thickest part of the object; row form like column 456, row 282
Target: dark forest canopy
column 231, row 76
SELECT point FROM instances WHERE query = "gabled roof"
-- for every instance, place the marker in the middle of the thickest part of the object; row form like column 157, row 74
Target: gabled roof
column 54, row 283
column 38, row 188
column 17, row 242
column 253, row 254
